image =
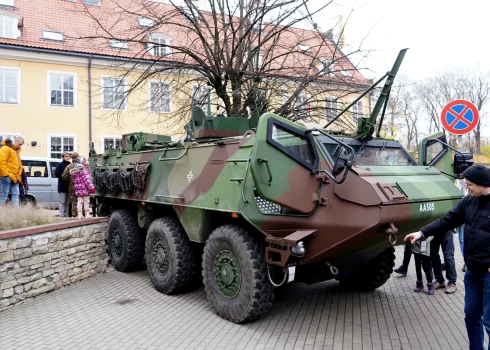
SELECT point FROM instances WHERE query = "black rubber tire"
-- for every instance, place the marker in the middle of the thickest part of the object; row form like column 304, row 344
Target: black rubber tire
column 133, row 241
column 373, row 275
column 256, row 294
column 183, row 272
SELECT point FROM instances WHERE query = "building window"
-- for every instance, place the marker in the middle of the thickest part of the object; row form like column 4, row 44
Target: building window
column 346, row 73
column 302, row 108
column 303, row 47
column 200, row 95
column 91, row 2
column 9, row 85
column 51, row 35
column 111, row 142
column 8, row 136
column 325, row 67
column 160, row 97
column 257, row 59
column 60, row 144
column 158, row 45
column 145, row 22
column 113, row 93
column 118, row 44
column 330, row 108
column 356, row 111
column 9, row 23
column 7, row 2
column 190, row 15
column 62, row 89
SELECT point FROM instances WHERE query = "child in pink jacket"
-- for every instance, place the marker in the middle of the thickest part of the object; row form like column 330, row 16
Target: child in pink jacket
column 84, row 187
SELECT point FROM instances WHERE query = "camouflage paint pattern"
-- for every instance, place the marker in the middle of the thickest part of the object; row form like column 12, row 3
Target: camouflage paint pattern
column 230, row 175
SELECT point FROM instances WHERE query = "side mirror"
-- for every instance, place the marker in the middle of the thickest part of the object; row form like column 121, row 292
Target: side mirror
column 462, row 161
column 341, row 163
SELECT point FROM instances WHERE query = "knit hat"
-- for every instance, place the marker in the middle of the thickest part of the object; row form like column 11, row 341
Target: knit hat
column 478, row 174
column 74, row 155
column 81, row 160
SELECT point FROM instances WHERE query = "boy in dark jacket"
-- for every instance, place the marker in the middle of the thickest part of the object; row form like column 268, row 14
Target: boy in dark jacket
column 63, row 185
column 474, row 212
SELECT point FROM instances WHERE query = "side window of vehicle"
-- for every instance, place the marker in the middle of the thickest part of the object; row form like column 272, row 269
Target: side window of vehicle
column 35, row 168
column 294, row 143
column 433, row 151
column 53, row 165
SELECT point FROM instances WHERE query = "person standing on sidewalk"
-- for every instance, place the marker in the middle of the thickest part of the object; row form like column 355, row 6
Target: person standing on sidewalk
column 421, row 255
column 407, row 255
column 10, row 170
column 63, row 185
column 446, row 242
column 474, row 212
column 66, row 176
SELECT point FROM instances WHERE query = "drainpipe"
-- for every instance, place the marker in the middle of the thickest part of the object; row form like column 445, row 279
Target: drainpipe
column 90, row 104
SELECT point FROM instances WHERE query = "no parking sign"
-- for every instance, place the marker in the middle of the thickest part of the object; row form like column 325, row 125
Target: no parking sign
column 459, row 117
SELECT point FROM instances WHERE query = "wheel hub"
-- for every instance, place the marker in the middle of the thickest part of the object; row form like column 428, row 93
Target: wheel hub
column 161, row 255
column 117, row 242
column 227, row 274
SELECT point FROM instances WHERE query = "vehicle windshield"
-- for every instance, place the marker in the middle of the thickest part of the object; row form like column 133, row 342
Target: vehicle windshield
column 365, row 155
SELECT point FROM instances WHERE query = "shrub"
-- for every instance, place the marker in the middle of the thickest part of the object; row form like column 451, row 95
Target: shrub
column 24, row 216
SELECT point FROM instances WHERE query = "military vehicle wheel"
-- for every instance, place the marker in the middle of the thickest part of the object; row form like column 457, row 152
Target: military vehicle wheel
column 170, row 259
column 125, row 240
column 373, row 275
column 235, row 275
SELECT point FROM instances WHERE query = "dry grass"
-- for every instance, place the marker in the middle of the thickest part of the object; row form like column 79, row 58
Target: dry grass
column 24, row 216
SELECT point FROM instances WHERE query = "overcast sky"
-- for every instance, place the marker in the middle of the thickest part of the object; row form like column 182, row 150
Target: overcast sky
column 440, row 34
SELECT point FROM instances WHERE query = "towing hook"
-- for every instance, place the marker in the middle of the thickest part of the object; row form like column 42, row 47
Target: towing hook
column 269, row 268
column 391, row 232
column 333, row 269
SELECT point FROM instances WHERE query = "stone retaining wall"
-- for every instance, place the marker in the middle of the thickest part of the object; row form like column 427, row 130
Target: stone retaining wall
column 40, row 259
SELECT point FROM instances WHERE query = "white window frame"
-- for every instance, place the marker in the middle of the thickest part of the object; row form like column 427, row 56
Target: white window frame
column 357, row 111
column 49, row 136
column 200, row 87
column 104, row 137
column 53, row 35
column 125, row 80
column 14, row 24
column 162, row 37
column 118, row 44
column 333, row 108
column 346, row 73
column 18, row 86
column 149, row 96
column 307, row 97
column 11, row 135
column 145, row 21
column 187, row 12
column 75, row 95
column 99, row 3
column 258, row 59
column 7, row 2
column 303, row 47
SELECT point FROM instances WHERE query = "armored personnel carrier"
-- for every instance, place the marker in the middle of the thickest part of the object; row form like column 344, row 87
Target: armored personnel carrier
column 247, row 205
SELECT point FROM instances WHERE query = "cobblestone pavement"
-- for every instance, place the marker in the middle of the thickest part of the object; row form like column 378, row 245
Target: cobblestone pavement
column 124, row 311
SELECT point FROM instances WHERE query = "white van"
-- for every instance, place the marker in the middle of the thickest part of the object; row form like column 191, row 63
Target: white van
column 43, row 184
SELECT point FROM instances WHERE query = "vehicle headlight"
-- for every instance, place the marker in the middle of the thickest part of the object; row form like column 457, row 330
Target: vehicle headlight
column 299, row 249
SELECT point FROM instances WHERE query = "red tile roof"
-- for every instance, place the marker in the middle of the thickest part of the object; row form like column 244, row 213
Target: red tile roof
column 83, row 35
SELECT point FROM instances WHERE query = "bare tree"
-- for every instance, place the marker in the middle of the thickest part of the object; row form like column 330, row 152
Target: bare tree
column 242, row 56
column 472, row 84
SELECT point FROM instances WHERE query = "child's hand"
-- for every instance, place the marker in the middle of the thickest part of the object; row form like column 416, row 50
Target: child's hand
column 93, row 191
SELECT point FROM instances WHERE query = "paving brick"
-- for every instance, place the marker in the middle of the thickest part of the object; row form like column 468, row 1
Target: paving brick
column 124, row 311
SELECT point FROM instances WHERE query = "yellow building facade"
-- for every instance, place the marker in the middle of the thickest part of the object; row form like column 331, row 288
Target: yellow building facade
column 46, row 101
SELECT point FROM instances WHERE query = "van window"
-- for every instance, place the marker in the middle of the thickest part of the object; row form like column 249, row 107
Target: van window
column 35, row 168
column 53, row 168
